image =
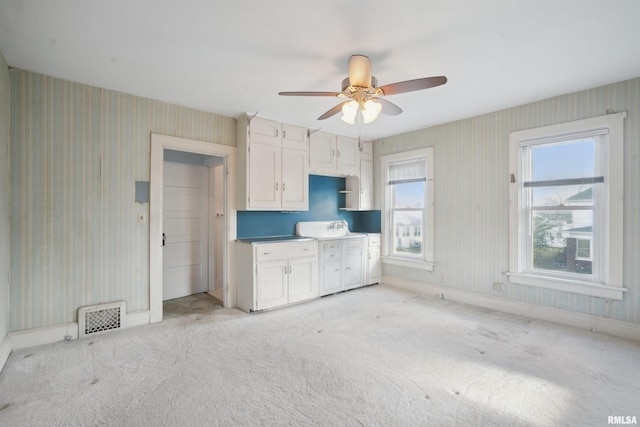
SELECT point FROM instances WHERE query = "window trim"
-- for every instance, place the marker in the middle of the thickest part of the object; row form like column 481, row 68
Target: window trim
column 426, row 262
column 610, row 285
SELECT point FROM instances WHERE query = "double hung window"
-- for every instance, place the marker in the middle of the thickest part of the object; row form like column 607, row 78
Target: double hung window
column 408, row 210
column 566, row 207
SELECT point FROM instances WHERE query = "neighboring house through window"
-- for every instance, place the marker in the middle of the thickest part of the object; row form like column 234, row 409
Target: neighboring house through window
column 566, row 207
column 408, row 208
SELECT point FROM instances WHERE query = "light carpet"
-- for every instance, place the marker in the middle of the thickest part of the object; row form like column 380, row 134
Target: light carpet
column 376, row 356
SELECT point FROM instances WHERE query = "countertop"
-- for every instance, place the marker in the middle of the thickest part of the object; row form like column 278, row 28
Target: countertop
column 271, row 239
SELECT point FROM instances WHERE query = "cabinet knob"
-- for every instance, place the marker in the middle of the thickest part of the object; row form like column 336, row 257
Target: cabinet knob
column 283, row 186
column 276, row 186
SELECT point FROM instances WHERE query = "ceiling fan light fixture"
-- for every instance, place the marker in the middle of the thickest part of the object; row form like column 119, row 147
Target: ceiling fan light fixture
column 360, row 71
column 370, row 111
column 349, row 111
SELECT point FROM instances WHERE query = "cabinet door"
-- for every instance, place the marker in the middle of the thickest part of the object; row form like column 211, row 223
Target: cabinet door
column 303, row 279
column 354, row 264
column 295, row 180
column 331, row 277
column 366, row 150
column 263, row 131
column 294, row 137
column 322, row 151
column 373, row 266
column 264, row 176
column 271, row 284
column 347, row 153
column 366, row 185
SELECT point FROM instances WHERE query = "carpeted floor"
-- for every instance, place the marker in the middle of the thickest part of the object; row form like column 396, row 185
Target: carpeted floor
column 376, row 356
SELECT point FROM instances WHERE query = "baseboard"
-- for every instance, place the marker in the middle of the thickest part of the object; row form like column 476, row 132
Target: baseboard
column 5, row 351
column 569, row 318
column 55, row 333
column 137, row 318
column 45, row 335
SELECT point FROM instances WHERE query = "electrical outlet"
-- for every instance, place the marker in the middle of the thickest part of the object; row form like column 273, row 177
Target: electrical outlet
column 498, row 286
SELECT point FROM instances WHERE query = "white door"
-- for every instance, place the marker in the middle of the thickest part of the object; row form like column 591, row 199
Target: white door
column 295, row 180
column 264, row 179
column 347, row 153
column 217, row 238
column 353, row 263
column 185, row 254
column 366, row 185
column 302, row 279
column 271, row 284
column 322, row 151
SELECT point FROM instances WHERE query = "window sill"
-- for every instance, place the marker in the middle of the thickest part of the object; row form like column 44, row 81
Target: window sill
column 403, row 262
column 567, row 285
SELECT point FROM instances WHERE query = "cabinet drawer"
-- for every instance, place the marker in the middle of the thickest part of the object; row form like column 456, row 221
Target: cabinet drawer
column 285, row 250
column 374, row 240
column 331, row 255
column 332, row 246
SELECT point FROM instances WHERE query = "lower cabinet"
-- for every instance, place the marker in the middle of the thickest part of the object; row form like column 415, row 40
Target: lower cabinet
column 373, row 265
column 341, row 265
column 270, row 275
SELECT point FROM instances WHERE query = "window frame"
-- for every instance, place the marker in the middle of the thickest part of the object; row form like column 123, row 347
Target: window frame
column 426, row 260
column 608, row 283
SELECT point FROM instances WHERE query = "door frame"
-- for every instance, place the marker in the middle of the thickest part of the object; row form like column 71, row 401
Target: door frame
column 159, row 143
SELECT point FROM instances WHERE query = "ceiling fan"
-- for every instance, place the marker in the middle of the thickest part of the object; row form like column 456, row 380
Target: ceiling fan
column 363, row 94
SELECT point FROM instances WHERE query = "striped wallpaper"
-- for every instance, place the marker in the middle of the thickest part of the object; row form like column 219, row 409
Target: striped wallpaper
column 471, row 197
column 5, row 118
column 76, row 152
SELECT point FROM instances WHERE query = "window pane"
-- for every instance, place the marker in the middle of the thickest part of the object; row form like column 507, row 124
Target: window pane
column 555, row 237
column 583, row 248
column 563, row 195
column 405, row 224
column 408, row 195
column 573, row 159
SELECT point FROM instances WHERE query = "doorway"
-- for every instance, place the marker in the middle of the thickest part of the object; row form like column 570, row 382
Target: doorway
column 200, row 257
column 192, row 235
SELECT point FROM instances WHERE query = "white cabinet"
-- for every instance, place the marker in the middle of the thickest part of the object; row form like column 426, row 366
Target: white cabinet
column 274, row 274
column 359, row 189
column 322, row 152
column 273, row 171
column 341, row 265
column 373, row 265
column 347, row 155
column 333, row 155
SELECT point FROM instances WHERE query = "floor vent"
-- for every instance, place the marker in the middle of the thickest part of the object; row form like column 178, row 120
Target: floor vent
column 94, row 319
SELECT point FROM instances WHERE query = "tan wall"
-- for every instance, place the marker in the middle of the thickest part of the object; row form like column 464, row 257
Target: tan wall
column 471, row 208
column 76, row 152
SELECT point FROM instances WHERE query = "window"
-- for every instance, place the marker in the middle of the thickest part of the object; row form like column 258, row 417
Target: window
column 583, row 249
column 408, row 208
column 566, row 207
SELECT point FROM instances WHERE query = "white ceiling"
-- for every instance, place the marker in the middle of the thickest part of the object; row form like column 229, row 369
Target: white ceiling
column 231, row 57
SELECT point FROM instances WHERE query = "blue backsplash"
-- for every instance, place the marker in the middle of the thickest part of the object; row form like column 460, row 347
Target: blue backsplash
column 324, row 200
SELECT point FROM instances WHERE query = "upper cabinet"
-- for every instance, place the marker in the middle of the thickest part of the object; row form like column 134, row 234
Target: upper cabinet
column 273, row 161
column 359, row 189
column 347, row 155
column 333, row 155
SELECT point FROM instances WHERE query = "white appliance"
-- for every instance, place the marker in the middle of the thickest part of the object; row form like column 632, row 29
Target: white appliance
column 341, row 255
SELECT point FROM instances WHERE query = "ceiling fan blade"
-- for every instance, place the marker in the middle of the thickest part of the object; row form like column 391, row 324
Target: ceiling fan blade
column 335, row 110
column 389, row 108
column 309, row 93
column 360, row 71
column 412, row 85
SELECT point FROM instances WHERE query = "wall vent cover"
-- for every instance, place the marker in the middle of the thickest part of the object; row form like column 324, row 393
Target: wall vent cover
column 94, row 319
